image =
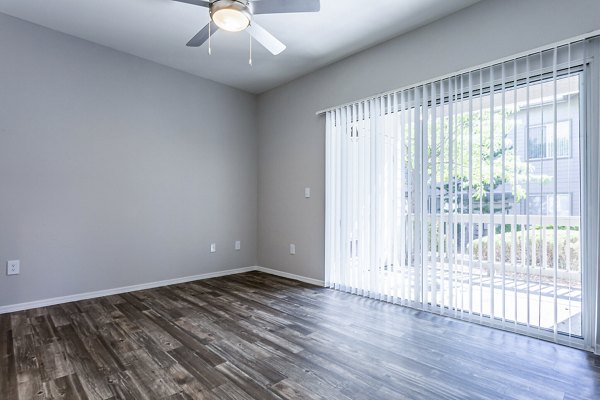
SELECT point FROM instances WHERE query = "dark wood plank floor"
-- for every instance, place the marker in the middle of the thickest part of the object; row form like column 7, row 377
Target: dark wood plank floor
column 256, row 336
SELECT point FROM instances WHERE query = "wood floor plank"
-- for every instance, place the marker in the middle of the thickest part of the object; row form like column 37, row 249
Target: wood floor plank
column 125, row 386
column 67, row 387
column 90, row 373
column 191, row 388
column 153, row 379
column 288, row 389
column 203, row 371
column 55, row 361
column 259, row 369
column 257, row 336
column 256, row 389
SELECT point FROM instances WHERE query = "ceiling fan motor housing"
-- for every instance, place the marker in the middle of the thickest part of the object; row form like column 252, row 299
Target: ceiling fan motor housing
column 237, row 8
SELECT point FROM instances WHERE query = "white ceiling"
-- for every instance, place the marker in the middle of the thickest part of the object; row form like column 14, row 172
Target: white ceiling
column 158, row 30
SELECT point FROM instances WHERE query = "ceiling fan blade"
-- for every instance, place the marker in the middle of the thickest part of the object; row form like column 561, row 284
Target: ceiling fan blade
column 202, row 36
column 200, row 3
column 284, row 6
column 265, row 38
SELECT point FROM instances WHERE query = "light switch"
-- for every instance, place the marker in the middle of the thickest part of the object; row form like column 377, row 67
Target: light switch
column 292, row 249
column 213, row 247
column 238, row 245
column 307, row 192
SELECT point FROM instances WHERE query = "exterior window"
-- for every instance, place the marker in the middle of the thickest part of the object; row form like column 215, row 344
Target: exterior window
column 541, row 140
column 543, row 204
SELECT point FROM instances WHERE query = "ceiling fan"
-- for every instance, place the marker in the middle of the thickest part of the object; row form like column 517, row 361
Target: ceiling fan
column 236, row 16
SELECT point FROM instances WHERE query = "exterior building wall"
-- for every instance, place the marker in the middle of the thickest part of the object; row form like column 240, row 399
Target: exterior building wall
column 568, row 168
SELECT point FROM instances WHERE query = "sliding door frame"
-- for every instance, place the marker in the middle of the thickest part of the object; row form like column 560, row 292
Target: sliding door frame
column 590, row 188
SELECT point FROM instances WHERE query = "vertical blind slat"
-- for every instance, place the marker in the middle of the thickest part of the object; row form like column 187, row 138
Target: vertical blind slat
column 555, row 189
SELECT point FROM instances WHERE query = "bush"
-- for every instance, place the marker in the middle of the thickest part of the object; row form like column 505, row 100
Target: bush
column 568, row 244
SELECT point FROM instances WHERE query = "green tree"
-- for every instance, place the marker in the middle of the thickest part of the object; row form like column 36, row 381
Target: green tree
column 484, row 160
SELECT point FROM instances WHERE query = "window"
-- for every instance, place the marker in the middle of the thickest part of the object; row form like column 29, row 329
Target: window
column 541, row 140
column 543, row 204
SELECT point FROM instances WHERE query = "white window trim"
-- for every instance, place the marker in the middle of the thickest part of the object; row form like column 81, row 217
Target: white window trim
column 543, row 126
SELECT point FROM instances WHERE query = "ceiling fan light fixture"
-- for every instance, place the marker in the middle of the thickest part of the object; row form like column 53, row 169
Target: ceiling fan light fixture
column 230, row 15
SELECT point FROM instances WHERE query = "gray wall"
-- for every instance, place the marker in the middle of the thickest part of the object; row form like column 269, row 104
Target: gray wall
column 291, row 137
column 116, row 171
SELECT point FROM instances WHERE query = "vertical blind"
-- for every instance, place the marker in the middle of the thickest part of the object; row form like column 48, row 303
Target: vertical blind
column 463, row 196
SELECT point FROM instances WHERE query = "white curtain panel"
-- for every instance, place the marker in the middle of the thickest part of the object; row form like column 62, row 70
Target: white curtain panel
column 474, row 196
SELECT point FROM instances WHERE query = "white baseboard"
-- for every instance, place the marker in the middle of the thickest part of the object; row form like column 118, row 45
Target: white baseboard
column 150, row 285
column 119, row 290
column 291, row 276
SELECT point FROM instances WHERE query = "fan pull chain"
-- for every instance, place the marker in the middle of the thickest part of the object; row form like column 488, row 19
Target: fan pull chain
column 209, row 35
column 250, row 59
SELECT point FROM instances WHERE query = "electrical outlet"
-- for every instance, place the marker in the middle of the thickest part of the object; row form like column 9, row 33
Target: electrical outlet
column 238, row 245
column 213, row 247
column 13, row 267
column 292, row 249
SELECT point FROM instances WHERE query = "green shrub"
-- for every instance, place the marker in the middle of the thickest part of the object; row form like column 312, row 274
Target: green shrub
column 568, row 244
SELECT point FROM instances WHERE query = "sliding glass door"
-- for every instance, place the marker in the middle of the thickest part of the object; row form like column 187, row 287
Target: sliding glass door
column 503, row 204
column 463, row 196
